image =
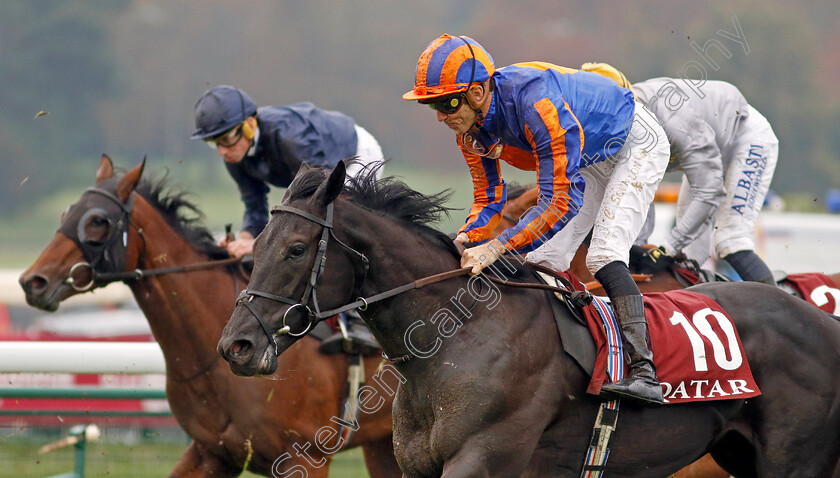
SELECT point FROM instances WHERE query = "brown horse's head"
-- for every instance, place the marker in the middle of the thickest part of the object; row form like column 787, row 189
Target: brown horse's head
column 92, row 237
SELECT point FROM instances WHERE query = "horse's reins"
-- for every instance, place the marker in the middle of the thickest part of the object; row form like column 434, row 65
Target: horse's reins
column 137, row 274
column 246, row 297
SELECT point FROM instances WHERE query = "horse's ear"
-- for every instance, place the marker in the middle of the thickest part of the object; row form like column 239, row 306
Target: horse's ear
column 331, row 188
column 105, row 169
column 303, row 167
column 129, row 181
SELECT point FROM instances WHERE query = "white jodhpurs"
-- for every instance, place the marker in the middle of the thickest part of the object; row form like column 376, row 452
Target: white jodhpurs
column 616, row 199
column 751, row 159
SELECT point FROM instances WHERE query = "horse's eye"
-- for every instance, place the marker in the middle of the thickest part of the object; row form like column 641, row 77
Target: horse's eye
column 96, row 229
column 297, row 250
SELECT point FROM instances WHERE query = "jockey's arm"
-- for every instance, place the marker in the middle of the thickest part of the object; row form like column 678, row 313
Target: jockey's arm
column 698, row 156
column 556, row 141
column 489, row 197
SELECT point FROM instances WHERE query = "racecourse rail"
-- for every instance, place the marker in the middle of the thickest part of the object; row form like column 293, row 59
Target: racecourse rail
column 82, row 358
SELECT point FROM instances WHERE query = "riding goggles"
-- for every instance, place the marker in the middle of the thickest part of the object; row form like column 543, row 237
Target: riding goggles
column 227, row 140
column 449, row 104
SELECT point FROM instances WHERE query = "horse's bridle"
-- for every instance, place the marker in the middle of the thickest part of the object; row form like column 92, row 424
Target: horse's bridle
column 246, row 297
column 112, row 252
column 101, row 257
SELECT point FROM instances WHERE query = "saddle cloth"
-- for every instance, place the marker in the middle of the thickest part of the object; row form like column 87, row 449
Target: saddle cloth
column 817, row 289
column 696, row 349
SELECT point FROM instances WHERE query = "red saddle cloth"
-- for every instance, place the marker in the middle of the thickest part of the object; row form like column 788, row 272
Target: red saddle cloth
column 696, row 349
column 818, row 289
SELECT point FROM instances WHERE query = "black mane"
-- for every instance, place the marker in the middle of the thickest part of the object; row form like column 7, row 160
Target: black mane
column 182, row 214
column 388, row 195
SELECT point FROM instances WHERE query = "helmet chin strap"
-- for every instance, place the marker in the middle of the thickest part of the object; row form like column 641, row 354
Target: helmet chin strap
column 479, row 115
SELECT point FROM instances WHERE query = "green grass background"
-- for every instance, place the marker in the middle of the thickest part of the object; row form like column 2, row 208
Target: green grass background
column 19, row 459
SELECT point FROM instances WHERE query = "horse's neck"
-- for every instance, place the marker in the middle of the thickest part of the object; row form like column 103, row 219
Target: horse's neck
column 186, row 311
column 396, row 259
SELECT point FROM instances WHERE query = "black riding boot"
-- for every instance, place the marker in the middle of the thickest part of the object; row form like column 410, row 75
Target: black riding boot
column 640, row 384
column 358, row 339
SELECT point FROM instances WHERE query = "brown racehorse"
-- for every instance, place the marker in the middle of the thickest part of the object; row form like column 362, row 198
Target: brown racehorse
column 232, row 420
column 487, row 389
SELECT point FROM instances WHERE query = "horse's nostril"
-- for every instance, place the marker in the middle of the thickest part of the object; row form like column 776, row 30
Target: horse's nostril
column 240, row 348
column 35, row 284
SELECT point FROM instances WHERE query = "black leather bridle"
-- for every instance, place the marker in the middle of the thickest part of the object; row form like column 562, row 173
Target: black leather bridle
column 246, row 297
column 313, row 314
column 106, row 259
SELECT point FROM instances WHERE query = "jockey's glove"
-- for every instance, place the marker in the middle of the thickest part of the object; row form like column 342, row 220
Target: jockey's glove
column 655, row 260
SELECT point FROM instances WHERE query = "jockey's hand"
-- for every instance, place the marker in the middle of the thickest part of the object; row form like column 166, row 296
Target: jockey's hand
column 239, row 247
column 655, row 260
column 481, row 256
column 462, row 237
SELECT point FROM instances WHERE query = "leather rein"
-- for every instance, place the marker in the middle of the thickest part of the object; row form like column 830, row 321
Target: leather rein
column 103, row 278
column 314, row 314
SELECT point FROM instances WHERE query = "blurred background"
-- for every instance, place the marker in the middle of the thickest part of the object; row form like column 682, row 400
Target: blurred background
column 84, row 77
column 121, row 77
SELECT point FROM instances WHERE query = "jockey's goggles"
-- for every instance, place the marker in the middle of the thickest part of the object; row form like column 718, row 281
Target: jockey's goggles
column 227, row 140
column 481, row 144
column 449, row 104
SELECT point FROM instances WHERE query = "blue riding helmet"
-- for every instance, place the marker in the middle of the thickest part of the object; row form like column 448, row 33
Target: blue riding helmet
column 220, row 109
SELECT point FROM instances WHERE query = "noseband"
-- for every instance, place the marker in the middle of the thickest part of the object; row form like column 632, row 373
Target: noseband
column 246, row 297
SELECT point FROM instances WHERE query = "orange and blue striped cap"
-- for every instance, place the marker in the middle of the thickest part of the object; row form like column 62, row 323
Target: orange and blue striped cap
column 448, row 65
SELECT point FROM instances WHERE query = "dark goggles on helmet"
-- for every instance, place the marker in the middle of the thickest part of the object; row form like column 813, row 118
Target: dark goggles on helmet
column 449, row 104
column 227, row 139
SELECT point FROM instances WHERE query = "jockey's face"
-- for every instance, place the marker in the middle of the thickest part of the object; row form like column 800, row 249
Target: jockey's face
column 461, row 120
column 234, row 149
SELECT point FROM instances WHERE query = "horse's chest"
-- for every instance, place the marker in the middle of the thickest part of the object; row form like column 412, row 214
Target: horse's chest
column 413, row 422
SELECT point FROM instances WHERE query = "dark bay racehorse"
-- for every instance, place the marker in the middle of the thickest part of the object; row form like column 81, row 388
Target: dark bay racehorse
column 522, row 198
column 230, row 419
column 488, row 390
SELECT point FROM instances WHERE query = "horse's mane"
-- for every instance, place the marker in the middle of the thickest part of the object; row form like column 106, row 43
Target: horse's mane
column 180, row 213
column 388, row 196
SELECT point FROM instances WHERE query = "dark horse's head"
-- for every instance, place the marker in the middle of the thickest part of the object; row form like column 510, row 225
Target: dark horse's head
column 307, row 260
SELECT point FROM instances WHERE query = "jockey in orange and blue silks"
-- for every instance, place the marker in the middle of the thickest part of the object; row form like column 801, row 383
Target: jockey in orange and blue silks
column 549, row 122
column 598, row 154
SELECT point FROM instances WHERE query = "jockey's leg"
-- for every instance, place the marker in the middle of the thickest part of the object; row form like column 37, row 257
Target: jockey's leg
column 632, row 176
column 358, row 337
column 368, row 155
column 752, row 162
column 641, row 383
column 750, row 267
